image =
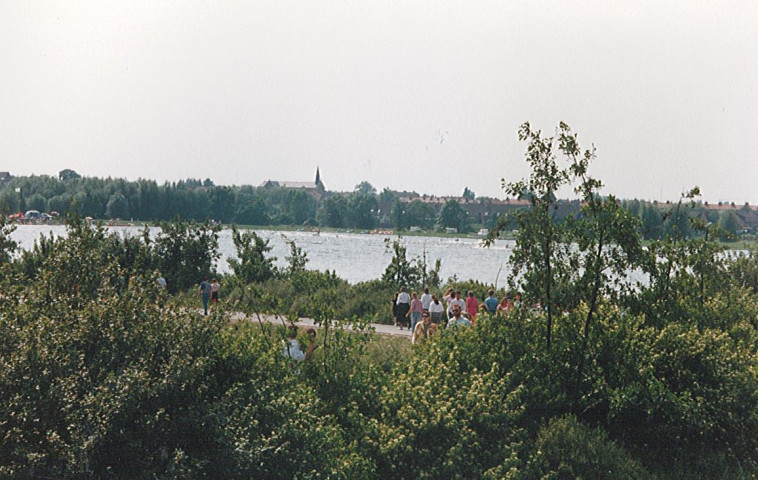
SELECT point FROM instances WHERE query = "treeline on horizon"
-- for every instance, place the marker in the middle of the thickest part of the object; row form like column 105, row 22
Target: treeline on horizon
column 363, row 209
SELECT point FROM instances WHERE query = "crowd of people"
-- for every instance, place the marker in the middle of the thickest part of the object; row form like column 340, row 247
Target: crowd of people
column 424, row 315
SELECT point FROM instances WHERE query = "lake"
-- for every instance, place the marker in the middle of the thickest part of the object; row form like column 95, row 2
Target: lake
column 353, row 256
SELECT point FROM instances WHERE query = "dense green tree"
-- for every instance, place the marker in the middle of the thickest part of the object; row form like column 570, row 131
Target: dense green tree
column 297, row 259
column 301, row 207
column 652, row 221
column 36, row 202
column 399, row 221
column 186, row 251
column 420, row 214
column 251, row 264
column 9, row 201
column 452, row 215
column 60, row 203
column 387, row 195
column 361, row 210
column 728, row 224
column 365, row 188
column 117, row 207
column 151, row 201
column 250, row 209
column 68, row 174
column 332, row 211
column 633, row 206
column 413, row 273
column 676, row 220
column 222, row 204
column 8, row 246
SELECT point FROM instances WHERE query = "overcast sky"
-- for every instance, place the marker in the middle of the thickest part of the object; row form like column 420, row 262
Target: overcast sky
column 410, row 95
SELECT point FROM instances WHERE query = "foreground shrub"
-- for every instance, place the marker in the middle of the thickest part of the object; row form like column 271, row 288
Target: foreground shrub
column 636, row 401
column 100, row 379
column 567, row 449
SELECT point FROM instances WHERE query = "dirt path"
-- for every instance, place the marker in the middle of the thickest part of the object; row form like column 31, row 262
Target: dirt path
column 308, row 322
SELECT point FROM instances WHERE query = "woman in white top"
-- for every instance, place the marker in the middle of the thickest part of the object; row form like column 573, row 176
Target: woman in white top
column 448, row 297
column 435, row 309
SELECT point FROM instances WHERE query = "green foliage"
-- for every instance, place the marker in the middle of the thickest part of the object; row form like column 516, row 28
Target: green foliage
column 98, row 380
column 353, row 210
column 361, row 210
column 420, row 214
column 567, row 449
column 365, row 188
column 250, row 208
column 331, row 212
column 297, row 260
column 728, row 224
column 68, row 174
column 186, row 252
column 744, row 269
column 36, row 202
column 197, row 200
column 117, row 207
column 453, row 215
column 8, row 246
column 413, row 273
column 542, row 242
column 251, row 264
column 652, row 222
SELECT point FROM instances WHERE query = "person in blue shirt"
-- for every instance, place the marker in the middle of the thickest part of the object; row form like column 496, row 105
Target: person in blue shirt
column 458, row 320
column 491, row 302
column 204, row 292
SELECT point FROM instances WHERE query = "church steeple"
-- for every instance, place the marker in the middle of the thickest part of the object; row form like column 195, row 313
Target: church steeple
column 319, row 185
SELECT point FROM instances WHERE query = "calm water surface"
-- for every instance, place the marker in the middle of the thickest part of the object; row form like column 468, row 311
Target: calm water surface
column 354, row 257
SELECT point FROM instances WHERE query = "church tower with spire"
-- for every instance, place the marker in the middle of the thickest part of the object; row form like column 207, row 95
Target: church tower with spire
column 319, row 185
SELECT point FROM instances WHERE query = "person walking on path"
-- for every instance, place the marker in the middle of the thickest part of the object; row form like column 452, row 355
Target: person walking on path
column 491, row 302
column 394, row 309
column 214, row 290
column 403, row 306
column 472, row 306
column 448, row 297
column 204, row 292
column 426, row 299
column 457, row 300
column 416, row 308
column 436, row 309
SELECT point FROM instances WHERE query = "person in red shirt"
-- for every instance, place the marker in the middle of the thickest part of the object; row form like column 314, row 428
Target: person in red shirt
column 472, row 305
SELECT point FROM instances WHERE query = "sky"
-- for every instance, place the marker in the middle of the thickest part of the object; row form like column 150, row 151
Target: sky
column 422, row 96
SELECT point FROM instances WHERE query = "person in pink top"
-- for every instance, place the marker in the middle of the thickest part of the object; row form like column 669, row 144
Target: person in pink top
column 472, row 305
column 417, row 306
column 504, row 306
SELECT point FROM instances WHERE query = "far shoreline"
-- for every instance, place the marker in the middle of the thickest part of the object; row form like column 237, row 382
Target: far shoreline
column 743, row 243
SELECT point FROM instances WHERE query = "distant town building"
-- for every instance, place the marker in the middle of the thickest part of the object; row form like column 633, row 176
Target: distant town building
column 315, row 188
column 5, row 177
